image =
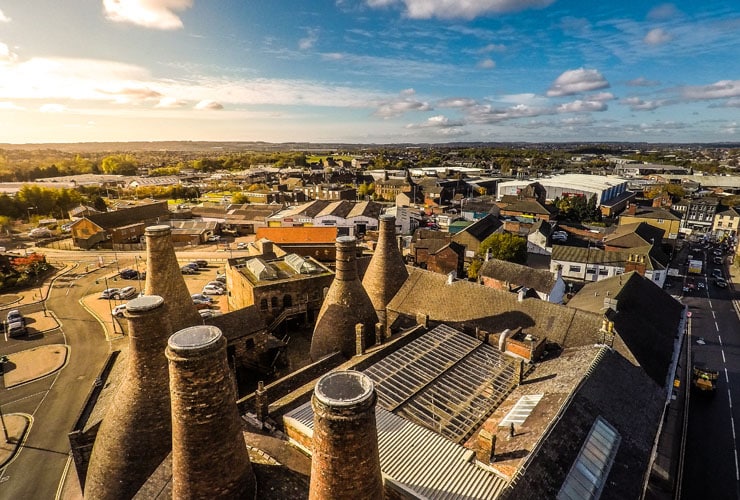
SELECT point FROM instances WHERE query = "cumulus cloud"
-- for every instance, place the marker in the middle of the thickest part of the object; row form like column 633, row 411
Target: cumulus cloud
column 641, row 81
column 132, row 94
column 601, row 96
column 637, row 104
column 492, row 47
column 657, row 36
column 485, row 113
column 439, row 121
column 576, row 81
column 468, row 9
column 487, row 64
column 209, row 104
column 309, row 40
column 170, row 102
column 53, row 108
column 455, row 102
column 7, row 55
column 157, row 14
column 722, row 89
column 405, row 103
column 579, row 106
column 4, row 18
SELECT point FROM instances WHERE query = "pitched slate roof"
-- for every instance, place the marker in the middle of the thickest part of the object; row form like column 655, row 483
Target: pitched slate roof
column 337, row 209
column 634, row 235
column 540, row 279
column 483, row 228
column 369, row 209
column 646, row 318
column 465, row 305
column 655, row 213
column 124, row 217
column 528, row 207
column 564, row 253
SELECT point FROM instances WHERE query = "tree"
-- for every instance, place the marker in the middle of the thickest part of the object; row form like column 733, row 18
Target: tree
column 119, row 164
column 505, row 246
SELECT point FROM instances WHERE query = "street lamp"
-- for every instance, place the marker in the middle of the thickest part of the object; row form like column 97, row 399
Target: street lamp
column 110, row 307
column 28, row 209
column 138, row 273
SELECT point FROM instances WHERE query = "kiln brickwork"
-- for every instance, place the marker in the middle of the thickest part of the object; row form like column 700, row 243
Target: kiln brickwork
column 164, row 278
column 346, row 304
column 135, row 435
column 209, row 455
column 386, row 272
column 345, row 462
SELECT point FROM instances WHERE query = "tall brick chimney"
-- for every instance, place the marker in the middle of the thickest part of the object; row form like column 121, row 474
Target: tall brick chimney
column 386, row 272
column 209, row 456
column 135, row 435
column 345, row 462
column 346, row 304
column 165, row 279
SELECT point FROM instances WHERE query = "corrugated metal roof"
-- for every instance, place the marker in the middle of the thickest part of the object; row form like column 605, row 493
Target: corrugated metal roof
column 420, row 461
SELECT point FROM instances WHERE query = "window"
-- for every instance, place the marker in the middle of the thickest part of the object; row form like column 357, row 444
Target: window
column 660, row 221
column 287, row 301
column 263, row 304
column 603, row 272
column 574, row 269
column 274, row 302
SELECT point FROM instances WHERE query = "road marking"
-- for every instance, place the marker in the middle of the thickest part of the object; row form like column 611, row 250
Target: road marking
column 732, row 421
column 723, row 356
column 720, row 339
column 727, row 379
column 714, row 315
column 737, row 469
column 716, row 326
column 710, row 304
column 729, row 397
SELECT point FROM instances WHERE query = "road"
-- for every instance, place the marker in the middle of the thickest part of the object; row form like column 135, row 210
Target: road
column 712, row 469
column 55, row 401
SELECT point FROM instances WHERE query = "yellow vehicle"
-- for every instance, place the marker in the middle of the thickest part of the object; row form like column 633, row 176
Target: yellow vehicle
column 703, row 378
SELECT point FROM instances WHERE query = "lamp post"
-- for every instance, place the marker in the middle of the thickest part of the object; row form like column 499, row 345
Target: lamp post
column 5, row 429
column 28, row 209
column 138, row 273
column 110, row 307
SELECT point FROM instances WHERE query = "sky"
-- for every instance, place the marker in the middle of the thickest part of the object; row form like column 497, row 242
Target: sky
column 369, row 71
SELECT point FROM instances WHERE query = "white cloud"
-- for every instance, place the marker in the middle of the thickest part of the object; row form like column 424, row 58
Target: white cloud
column 7, row 105
column 579, row 106
column 657, row 36
column 601, row 96
column 576, row 81
column 467, row 9
column 439, row 121
column 309, row 40
column 719, row 90
column 52, row 108
column 404, row 103
column 663, row 12
column 4, row 18
column 527, row 98
column 170, row 102
column 455, row 102
column 209, row 104
column 492, row 47
column 487, row 64
column 7, row 55
column 132, row 94
column 488, row 114
column 157, row 14
column 641, row 81
column 637, row 104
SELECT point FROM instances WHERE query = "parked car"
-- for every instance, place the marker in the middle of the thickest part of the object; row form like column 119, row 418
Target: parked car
column 201, row 263
column 241, row 245
column 128, row 292
column 15, row 315
column 201, row 304
column 720, row 282
column 717, row 273
column 200, row 296
column 221, row 278
column 213, row 290
column 717, row 260
column 209, row 313
column 119, row 310
column 40, row 232
column 129, row 274
column 218, row 284
column 188, row 270
column 111, row 293
column 214, row 238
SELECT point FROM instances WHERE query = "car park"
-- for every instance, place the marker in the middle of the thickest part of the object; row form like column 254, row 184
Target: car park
column 218, row 284
column 213, row 290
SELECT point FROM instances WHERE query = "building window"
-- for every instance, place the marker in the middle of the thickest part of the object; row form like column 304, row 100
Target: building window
column 287, row 301
column 274, row 302
column 603, row 272
column 660, row 221
column 574, row 269
column 590, row 271
column 263, row 304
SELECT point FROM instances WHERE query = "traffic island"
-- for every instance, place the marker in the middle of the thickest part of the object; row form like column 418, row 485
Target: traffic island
column 32, row 364
column 15, row 427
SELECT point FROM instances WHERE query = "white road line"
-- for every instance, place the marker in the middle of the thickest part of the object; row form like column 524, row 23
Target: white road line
column 714, row 315
column 710, row 304
column 727, row 379
column 723, row 356
column 729, row 397
column 720, row 339
column 737, row 469
column 716, row 326
column 732, row 421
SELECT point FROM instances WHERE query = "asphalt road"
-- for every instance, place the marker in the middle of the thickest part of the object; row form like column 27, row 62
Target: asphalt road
column 712, row 469
column 55, row 401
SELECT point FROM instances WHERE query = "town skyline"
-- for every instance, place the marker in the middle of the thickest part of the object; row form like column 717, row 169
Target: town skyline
column 368, row 72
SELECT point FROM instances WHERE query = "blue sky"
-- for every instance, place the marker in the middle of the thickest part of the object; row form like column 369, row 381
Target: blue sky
column 369, row 71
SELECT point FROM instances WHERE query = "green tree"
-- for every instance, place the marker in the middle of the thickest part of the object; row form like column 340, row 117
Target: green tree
column 119, row 165
column 505, row 246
